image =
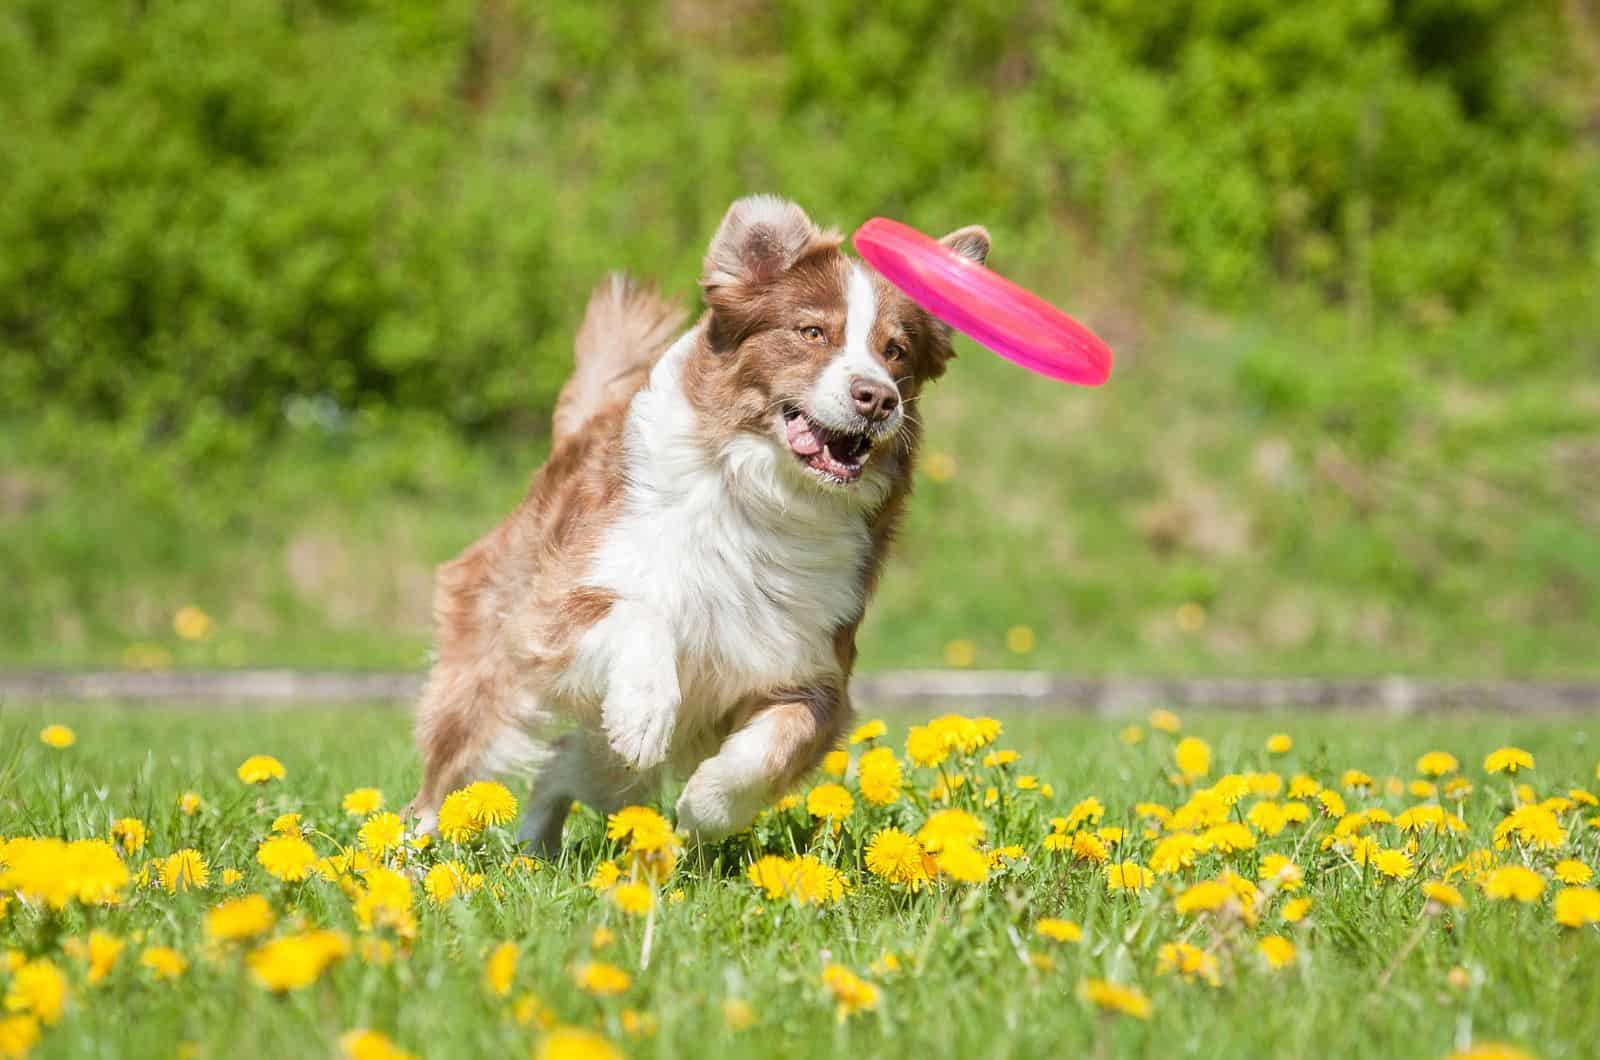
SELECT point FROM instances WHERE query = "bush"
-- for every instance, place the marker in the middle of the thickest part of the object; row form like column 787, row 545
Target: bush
column 213, row 219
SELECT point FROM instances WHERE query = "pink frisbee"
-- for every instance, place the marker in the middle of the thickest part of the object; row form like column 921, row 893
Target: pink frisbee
column 1008, row 319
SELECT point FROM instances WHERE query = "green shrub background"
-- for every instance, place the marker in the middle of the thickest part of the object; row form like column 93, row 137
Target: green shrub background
column 286, row 268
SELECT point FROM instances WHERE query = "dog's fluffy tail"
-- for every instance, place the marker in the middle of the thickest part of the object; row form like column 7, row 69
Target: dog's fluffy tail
column 625, row 329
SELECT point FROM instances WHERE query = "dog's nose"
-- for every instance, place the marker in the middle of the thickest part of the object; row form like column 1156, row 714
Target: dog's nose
column 873, row 399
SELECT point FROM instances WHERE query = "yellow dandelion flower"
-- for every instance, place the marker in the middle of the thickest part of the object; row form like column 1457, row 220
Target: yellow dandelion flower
column 102, row 951
column 1295, row 910
column 636, row 1024
column 231, row 877
column 259, row 769
column 297, row 961
column 1229, row 837
column 1174, row 853
column 960, row 653
column 288, row 857
column 601, row 979
column 385, row 901
column 1269, row 784
column 192, row 623
column 835, row 763
column 894, row 856
column 1577, row 906
column 362, row 802
column 1437, row 764
column 1422, row 789
column 190, row 803
column 448, row 879
column 1087, row 811
column 1442, row 894
column 1021, row 640
column 1131, row 734
column 575, row 1043
column 1574, row 873
column 18, row 1036
column 130, row 834
column 365, row 1044
column 1267, row 817
column 184, row 870
column 804, row 879
column 601, row 937
column 1507, row 760
column 1277, row 951
column 872, row 730
column 1188, row 961
column 382, row 833
column 852, row 993
column 1058, row 930
column 1165, row 721
column 1208, row 896
column 1513, row 882
column 500, row 971
column 945, row 827
column 829, row 801
column 1278, row 867
column 634, row 898
column 605, row 876
column 1395, row 864
column 879, row 776
column 642, row 828
column 1280, row 743
column 38, row 989
column 287, row 823
column 58, row 736
column 925, row 747
column 164, row 961
column 239, row 918
column 962, row 863
column 1193, row 757
column 1128, row 876
column 1491, row 1051
column 1114, row 997
column 738, row 1014
column 457, row 822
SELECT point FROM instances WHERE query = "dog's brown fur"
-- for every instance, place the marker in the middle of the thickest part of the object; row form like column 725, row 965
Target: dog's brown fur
column 511, row 609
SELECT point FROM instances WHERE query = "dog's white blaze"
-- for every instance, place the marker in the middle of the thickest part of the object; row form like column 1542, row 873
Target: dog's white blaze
column 830, row 400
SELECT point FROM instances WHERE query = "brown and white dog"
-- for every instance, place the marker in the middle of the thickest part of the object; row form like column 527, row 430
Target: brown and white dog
column 683, row 582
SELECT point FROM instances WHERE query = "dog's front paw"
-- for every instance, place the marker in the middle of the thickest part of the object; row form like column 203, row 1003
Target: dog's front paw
column 639, row 725
column 643, row 741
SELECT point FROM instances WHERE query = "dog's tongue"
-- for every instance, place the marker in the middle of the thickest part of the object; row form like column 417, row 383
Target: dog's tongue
column 801, row 437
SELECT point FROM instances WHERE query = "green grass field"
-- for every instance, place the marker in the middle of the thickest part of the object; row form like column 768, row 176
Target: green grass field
column 1373, row 972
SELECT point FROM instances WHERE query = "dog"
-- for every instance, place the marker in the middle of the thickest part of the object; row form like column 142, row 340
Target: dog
column 682, row 584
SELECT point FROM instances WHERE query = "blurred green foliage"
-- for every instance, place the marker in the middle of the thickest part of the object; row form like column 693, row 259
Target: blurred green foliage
column 298, row 271
column 318, row 207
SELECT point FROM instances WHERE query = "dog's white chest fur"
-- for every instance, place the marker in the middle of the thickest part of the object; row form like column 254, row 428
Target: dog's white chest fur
column 748, row 573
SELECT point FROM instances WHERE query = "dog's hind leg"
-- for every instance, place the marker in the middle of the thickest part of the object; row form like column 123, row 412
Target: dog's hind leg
column 469, row 727
column 582, row 768
column 775, row 746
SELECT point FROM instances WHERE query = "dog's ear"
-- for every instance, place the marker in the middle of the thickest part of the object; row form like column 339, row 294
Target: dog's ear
column 971, row 242
column 760, row 237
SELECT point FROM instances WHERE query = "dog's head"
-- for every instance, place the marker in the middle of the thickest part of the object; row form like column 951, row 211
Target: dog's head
column 811, row 350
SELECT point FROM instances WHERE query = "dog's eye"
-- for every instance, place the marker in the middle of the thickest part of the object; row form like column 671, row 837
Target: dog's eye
column 812, row 333
column 894, row 353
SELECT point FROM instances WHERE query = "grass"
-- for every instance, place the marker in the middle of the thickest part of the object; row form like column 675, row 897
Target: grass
column 1374, row 976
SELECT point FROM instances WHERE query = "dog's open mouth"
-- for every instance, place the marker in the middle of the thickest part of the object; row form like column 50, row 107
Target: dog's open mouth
column 835, row 455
